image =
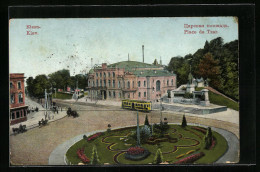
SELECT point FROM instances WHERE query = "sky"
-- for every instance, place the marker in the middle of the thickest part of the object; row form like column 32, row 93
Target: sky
column 71, row 43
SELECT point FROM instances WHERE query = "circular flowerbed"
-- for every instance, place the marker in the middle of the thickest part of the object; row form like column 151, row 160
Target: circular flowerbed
column 177, row 145
column 136, row 153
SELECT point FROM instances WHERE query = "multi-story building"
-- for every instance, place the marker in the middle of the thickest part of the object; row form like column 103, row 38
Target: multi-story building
column 18, row 109
column 130, row 80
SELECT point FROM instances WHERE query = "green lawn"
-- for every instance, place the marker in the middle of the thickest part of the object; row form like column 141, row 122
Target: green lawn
column 123, row 142
column 220, row 100
column 60, row 95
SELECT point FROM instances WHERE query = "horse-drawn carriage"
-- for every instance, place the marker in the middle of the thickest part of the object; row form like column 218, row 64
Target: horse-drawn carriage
column 20, row 129
column 72, row 113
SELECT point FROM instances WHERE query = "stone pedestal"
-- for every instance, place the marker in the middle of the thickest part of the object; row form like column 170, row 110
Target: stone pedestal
column 206, row 102
column 190, row 88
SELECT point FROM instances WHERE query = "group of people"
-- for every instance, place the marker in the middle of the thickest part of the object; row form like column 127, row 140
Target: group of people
column 36, row 109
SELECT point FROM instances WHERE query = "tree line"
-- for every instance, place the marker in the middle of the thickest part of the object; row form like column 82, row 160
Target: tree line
column 60, row 80
column 217, row 62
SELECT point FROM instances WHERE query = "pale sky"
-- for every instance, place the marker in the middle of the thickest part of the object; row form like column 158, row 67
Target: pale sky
column 71, row 43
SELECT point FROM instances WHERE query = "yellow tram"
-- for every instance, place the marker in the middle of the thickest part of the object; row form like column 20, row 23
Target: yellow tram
column 137, row 105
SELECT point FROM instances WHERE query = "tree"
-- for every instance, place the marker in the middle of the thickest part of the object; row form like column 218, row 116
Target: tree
column 94, row 158
column 184, row 122
column 208, row 138
column 40, row 83
column 60, row 79
column 158, row 157
column 209, row 68
column 30, row 86
column 146, row 122
column 155, row 62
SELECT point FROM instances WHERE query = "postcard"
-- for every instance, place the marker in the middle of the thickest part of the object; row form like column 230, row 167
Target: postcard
column 124, row 91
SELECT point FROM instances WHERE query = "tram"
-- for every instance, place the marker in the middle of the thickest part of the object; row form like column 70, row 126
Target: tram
column 139, row 105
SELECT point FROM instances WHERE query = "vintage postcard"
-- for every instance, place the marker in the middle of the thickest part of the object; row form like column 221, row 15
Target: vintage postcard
column 124, row 91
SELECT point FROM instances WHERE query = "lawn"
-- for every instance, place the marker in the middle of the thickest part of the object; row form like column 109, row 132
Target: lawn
column 220, row 100
column 112, row 145
column 60, row 95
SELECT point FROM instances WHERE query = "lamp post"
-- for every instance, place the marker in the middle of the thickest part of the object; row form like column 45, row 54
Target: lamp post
column 138, row 132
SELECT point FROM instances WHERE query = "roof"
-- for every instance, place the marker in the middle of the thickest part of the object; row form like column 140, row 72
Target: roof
column 132, row 64
column 145, row 73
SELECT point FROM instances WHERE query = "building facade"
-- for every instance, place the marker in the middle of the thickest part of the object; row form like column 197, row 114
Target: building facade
column 130, row 80
column 18, row 109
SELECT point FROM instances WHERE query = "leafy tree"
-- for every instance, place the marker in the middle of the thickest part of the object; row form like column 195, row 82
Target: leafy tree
column 40, row 83
column 209, row 68
column 146, row 122
column 30, row 86
column 94, row 158
column 60, row 79
column 184, row 122
column 155, row 62
column 158, row 157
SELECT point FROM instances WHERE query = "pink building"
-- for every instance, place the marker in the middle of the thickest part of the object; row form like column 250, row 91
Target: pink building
column 130, row 80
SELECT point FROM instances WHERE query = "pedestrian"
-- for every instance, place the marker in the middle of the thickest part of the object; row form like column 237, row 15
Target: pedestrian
column 61, row 109
column 57, row 111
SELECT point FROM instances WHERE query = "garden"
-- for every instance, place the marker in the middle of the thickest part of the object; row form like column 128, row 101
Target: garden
column 160, row 143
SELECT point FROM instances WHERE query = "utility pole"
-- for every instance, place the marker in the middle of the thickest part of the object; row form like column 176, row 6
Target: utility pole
column 138, row 132
column 143, row 52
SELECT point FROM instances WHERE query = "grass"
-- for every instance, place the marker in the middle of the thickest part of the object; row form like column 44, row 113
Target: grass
column 118, row 137
column 60, row 95
column 220, row 100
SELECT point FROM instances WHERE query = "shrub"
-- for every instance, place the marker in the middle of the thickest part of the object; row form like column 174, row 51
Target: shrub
column 184, row 122
column 188, row 95
column 85, row 137
column 208, row 139
column 158, row 157
column 145, row 133
column 146, row 122
column 94, row 158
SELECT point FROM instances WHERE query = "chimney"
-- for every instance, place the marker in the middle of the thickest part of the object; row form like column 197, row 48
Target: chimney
column 160, row 60
column 143, row 52
column 128, row 56
column 91, row 62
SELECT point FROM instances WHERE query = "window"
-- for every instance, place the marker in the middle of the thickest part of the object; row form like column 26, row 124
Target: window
column 128, row 95
column 114, row 94
column 100, row 74
column 97, row 83
column 109, row 93
column 114, row 83
column 12, row 98
column 119, row 84
column 128, row 84
column 93, row 83
column 104, row 82
column 109, row 83
column 17, row 114
column 104, row 74
column 11, row 85
column 139, row 83
column 108, row 74
column 114, row 74
column 139, row 94
column 133, row 85
column 119, row 95
column 158, row 85
column 100, row 83
column 97, row 74
column 144, row 94
column 172, row 81
column 19, row 85
column 13, row 115
column 144, row 83
column 24, row 112
column 20, row 97
column 167, row 82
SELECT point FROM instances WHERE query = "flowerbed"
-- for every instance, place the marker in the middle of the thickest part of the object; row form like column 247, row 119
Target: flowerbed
column 200, row 129
column 136, row 153
column 82, row 156
column 179, row 156
column 191, row 158
column 189, row 152
column 154, row 141
column 94, row 136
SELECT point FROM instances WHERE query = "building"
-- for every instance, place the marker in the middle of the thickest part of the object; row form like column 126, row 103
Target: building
column 18, row 109
column 130, row 80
